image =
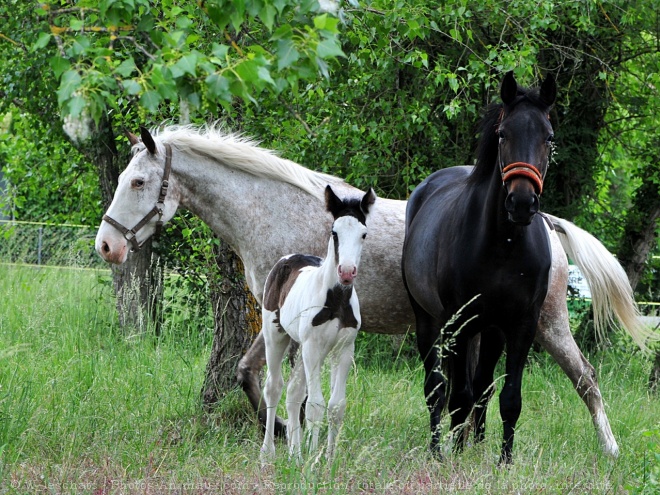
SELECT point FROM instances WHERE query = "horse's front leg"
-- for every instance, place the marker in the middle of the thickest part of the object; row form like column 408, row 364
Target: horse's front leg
column 461, row 399
column 248, row 371
column 313, row 356
column 517, row 349
column 295, row 397
column 490, row 349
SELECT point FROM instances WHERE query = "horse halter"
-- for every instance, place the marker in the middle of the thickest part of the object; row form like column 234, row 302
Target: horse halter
column 130, row 234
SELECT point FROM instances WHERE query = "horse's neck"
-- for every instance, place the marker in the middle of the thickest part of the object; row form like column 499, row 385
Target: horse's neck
column 259, row 218
column 487, row 197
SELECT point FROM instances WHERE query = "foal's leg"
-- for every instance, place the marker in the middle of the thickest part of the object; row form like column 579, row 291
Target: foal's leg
column 295, row 397
column 337, row 402
column 276, row 344
column 313, row 356
column 490, row 350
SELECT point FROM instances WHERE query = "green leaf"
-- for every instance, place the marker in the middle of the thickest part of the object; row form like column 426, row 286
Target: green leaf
column 287, row 53
column 264, row 75
column 329, row 48
column 44, row 39
column 68, row 85
column 126, row 68
column 76, row 105
column 218, row 86
column 131, row 86
column 59, row 65
column 187, row 64
column 267, row 15
column 150, row 100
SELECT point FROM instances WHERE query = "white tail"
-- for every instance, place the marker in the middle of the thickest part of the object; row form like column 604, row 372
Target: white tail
column 612, row 296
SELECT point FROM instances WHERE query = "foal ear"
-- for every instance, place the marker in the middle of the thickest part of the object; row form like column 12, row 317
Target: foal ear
column 509, row 89
column 548, row 92
column 332, row 202
column 368, row 200
column 132, row 138
column 148, row 140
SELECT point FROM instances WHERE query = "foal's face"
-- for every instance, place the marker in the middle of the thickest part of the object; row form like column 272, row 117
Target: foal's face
column 348, row 235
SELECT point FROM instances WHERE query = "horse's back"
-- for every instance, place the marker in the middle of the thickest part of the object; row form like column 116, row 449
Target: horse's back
column 442, row 186
column 283, row 276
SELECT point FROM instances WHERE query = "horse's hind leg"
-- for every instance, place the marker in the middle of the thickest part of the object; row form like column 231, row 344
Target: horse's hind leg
column 517, row 347
column 427, row 333
column 249, row 368
column 556, row 338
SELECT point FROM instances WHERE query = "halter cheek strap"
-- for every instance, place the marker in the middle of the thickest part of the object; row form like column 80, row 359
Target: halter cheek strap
column 522, row 169
column 130, row 234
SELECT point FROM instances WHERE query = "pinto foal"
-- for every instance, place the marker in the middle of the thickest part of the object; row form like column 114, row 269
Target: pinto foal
column 312, row 301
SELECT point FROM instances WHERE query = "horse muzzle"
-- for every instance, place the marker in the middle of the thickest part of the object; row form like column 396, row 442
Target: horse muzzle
column 521, row 207
column 347, row 274
column 112, row 248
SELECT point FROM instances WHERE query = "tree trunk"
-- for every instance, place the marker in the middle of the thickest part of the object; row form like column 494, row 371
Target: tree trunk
column 138, row 283
column 237, row 322
column 640, row 238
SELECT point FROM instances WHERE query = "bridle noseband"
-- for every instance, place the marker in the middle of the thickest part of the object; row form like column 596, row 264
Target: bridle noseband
column 522, row 169
column 130, row 234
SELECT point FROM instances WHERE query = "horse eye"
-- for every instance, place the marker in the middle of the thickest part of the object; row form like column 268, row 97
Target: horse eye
column 502, row 136
column 364, row 236
column 137, row 183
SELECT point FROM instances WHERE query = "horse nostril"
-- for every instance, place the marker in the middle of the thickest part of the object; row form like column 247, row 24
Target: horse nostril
column 106, row 247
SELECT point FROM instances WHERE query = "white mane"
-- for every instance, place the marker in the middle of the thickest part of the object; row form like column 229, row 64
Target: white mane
column 239, row 152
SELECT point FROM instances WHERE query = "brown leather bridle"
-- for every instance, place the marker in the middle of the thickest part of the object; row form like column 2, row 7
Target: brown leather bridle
column 130, row 234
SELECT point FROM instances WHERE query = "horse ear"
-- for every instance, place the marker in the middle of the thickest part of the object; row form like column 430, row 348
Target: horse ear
column 548, row 92
column 368, row 200
column 132, row 138
column 509, row 89
column 148, row 140
column 332, row 202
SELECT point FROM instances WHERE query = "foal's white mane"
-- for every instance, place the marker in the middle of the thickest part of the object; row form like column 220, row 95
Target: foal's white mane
column 239, row 152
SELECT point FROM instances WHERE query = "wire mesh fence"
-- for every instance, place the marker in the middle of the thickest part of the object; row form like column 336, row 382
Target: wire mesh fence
column 37, row 243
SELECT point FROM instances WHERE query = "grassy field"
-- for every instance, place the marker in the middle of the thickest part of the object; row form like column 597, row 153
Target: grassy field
column 87, row 409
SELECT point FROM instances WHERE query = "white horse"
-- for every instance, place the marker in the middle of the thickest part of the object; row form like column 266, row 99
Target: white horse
column 246, row 194
column 313, row 301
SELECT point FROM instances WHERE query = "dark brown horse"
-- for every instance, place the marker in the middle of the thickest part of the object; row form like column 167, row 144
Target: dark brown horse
column 477, row 258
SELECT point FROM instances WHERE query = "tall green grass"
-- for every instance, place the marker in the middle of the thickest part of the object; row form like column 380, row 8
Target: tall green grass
column 85, row 408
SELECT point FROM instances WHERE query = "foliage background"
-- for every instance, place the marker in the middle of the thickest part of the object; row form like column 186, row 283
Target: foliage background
column 380, row 92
